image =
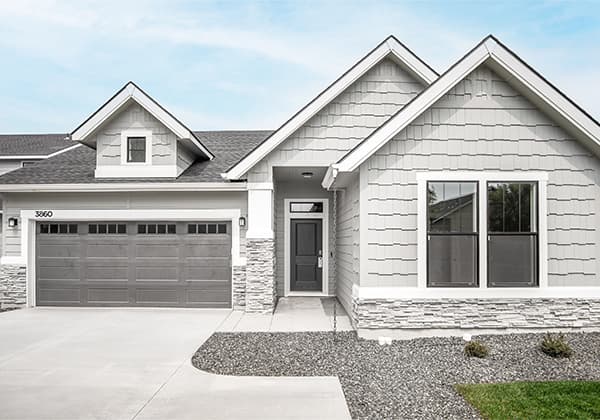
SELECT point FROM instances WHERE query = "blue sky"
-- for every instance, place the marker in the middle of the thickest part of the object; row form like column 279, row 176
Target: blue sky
column 244, row 65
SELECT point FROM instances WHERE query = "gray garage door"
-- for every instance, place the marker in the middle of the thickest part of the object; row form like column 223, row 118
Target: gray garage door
column 183, row 264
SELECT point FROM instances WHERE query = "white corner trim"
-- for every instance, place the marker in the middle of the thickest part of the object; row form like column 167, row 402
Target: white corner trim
column 147, row 134
column 482, row 178
column 260, row 214
column 288, row 237
column 131, row 91
column 489, row 50
column 389, row 47
column 28, row 221
column 259, row 185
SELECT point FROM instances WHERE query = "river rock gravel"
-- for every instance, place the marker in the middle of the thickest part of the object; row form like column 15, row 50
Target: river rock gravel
column 407, row 379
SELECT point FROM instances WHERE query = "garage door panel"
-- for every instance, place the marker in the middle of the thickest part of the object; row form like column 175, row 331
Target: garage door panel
column 101, row 268
column 152, row 249
column 107, row 249
column 167, row 274
column 108, row 295
column 60, row 250
column 164, row 296
column 207, row 273
column 59, row 296
column 211, row 298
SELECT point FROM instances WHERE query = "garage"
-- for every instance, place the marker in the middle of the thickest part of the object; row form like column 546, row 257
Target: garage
column 145, row 263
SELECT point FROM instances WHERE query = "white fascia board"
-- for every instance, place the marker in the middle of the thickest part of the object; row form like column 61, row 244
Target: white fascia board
column 411, row 111
column 129, row 186
column 408, row 58
column 390, row 46
column 490, row 49
column 545, row 91
column 39, row 157
column 131, row 91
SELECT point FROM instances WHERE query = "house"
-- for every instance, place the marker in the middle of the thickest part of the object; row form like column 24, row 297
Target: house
column 423, row 202
column 19, row 150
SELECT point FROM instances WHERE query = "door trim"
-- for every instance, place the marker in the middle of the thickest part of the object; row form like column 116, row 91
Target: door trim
column 29, row 220
column 288, row 237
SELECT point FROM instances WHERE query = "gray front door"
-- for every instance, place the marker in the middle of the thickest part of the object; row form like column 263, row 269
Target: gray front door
column 96, row 263
column 306, row 255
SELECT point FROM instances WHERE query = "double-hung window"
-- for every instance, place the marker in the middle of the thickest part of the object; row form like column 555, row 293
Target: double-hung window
column 136, row 149
column 461, row 214
column 452, row 234
column 512, row 234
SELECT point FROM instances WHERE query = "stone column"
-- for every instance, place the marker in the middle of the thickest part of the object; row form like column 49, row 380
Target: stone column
column 13, row 286
column 260, row 250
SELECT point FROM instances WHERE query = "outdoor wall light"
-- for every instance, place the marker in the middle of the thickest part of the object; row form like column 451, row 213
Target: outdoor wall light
column 307, row 174
column 242, row 221
column 13, row 222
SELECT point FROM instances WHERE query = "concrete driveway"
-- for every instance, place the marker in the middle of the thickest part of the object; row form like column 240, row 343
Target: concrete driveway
column 135, row 364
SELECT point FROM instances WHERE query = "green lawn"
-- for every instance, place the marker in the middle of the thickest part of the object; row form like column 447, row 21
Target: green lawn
column 535, row 400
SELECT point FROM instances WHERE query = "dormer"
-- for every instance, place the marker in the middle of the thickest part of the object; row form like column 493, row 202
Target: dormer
column 135, row 137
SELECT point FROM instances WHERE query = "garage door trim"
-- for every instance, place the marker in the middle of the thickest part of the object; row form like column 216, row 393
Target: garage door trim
column 29, row 220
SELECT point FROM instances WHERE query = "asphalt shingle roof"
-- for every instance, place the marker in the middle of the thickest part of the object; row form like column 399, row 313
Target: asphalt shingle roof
column 77, row 166
column 32, row 144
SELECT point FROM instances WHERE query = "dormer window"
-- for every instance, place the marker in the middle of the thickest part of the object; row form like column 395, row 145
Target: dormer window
column 136, row 149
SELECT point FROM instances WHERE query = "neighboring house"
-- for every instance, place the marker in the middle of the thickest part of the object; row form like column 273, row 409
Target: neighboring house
column 19, row 150
column 467, row 200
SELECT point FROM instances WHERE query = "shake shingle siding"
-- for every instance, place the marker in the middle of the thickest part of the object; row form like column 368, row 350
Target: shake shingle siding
column 482, row 124
column 345, row 121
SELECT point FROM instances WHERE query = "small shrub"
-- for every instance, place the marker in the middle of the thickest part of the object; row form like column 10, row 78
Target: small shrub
column 476, row 348
column 556, row 345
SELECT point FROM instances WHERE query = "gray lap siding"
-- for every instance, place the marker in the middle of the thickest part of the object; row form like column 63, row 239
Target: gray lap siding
column 481, row 124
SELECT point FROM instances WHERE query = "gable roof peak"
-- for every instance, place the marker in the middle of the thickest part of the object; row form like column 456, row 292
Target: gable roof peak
column 389, row 47
column 489, row 51
column 132, row 92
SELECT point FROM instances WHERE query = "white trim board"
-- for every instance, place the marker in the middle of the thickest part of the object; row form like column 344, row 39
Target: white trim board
column 481, row 178
column 288, row 216
column 132, row 92
column 475, row 293
column 126, row 186
column 390, row 47
column 28, row 221
column 489, row 51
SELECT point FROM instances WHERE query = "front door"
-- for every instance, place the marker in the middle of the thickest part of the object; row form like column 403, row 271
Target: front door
column 306, row 255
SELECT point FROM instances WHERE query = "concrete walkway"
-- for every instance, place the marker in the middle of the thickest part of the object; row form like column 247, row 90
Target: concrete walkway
column 291, row 314
column 135, row 364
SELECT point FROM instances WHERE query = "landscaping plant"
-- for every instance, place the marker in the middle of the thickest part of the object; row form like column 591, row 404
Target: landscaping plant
column 556, row 345
column 476, row 348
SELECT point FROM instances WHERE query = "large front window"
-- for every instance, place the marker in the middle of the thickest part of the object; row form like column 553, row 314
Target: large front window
column 512, row 234
column 452, row 234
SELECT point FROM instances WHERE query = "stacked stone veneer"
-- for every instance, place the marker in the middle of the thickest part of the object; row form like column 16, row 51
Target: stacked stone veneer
column 12, row 286
column 239, row 287
column 476, row 313
column 260, row 275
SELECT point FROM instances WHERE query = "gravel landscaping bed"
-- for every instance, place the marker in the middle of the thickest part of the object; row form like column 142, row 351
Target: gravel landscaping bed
column 408, row 379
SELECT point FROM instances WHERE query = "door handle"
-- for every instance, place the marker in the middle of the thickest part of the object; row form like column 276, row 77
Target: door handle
column 320, row 262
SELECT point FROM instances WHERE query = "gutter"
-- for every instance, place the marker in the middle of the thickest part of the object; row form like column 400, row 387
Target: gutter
column 130, row 186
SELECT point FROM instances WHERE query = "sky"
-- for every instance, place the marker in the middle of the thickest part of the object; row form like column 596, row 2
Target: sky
column 252, row 64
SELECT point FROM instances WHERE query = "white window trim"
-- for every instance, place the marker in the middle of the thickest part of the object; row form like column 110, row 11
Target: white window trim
column 288, row 216
column 125, row 134
column 482, row 177
column 28, row 231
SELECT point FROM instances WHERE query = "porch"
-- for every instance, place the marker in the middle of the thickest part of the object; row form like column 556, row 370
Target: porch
column 292, row 314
